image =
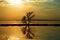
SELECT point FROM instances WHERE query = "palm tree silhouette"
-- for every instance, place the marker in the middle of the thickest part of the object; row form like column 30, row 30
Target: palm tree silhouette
column 24, row 28
column 27, row 30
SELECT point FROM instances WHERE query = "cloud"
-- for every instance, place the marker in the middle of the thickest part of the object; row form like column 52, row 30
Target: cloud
column 56, row 0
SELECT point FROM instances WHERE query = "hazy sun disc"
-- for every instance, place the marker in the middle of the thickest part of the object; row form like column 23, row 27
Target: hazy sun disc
column 14, row 2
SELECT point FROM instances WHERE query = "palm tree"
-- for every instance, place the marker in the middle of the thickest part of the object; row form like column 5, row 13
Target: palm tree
column 27, row 30
column 24, row 28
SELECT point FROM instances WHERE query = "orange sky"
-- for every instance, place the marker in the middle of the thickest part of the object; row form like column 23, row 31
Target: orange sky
column 41, row 10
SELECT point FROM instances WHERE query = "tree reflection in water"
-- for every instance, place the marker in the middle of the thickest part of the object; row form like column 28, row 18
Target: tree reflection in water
column 27, row 30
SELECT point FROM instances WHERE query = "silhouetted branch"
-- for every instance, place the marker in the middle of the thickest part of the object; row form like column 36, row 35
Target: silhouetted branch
column 26, row 30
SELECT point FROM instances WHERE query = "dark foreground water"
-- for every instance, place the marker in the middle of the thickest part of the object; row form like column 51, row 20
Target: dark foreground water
column 41, row 32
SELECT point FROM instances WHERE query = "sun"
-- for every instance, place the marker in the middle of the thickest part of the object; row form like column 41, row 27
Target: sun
column 14, row 2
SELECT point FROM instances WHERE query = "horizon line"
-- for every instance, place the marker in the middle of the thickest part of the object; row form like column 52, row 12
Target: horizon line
column 30, row 25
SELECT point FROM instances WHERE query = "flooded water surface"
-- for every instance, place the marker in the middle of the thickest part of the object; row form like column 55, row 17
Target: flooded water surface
column 41, row 32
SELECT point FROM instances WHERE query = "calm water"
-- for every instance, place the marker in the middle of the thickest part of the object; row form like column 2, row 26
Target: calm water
column 35, row 22
column 41, row 32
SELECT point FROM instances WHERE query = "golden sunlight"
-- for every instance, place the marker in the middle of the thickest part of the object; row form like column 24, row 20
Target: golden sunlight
column 36, row 0
column 13, row 38
column 14, row 2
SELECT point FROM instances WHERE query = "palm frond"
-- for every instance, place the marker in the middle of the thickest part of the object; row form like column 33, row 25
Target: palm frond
column 26, row 30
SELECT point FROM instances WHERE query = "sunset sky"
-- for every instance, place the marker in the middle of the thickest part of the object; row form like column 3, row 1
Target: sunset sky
column 12, row 10
column 43, row 9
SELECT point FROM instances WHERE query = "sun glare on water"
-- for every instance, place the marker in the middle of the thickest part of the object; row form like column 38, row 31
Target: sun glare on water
column 14, row 38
